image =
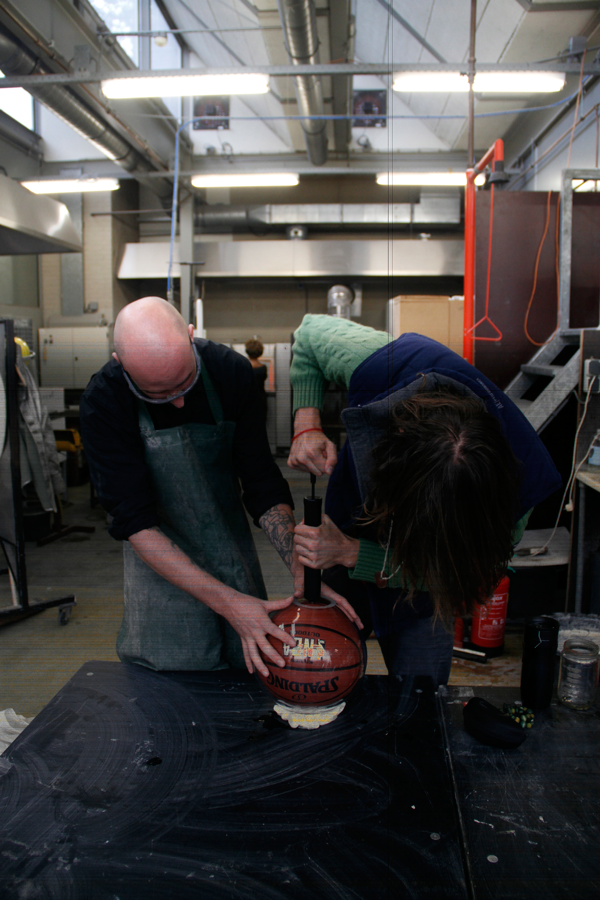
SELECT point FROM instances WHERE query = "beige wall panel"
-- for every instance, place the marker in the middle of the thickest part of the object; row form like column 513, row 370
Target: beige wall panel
column 124, row 230
column 233, row 313
column 50, row 299
column 236, row 310
column 97, row 253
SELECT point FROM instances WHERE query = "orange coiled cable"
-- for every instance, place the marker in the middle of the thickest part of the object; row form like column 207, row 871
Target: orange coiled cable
column 535, row 274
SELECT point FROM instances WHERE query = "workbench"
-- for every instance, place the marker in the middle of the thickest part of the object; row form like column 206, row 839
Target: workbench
column 135, row 784
column 586, row 599
column 530, row 816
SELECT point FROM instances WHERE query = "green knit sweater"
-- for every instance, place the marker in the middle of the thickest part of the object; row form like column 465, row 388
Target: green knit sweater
column 330, row 349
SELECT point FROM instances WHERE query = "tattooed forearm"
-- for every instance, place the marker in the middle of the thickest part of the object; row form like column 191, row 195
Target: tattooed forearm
column 172, row 543
column 278, row 524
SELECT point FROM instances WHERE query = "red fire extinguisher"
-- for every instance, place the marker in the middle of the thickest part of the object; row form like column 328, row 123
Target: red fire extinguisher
column 489, row 621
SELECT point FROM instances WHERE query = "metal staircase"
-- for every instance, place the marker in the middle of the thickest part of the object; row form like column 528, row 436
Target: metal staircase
column 543, row 385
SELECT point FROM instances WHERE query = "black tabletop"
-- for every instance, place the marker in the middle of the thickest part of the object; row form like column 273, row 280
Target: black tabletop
column 530, row 816
column 133, row 784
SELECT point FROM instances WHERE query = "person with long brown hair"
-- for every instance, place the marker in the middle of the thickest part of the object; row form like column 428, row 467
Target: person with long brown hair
column 431, row 491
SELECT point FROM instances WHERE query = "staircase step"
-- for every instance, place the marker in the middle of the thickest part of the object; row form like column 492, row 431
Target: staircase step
column 538, row 369
column 562, row 380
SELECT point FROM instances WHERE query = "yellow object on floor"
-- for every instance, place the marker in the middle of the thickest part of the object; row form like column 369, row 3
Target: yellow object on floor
column 68, row 440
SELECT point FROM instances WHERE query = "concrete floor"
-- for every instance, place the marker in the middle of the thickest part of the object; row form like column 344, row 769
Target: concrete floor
column 38, row 656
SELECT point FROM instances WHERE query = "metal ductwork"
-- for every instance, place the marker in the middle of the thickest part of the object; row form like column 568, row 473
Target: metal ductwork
column 435, row 208
column 16, row 60
column 299, row 23
column 223, row 217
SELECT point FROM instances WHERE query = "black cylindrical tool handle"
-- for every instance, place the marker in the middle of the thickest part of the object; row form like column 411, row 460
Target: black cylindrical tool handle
column 312, row 577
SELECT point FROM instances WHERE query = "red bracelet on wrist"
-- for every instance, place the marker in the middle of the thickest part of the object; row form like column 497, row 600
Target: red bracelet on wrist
column 305, row 431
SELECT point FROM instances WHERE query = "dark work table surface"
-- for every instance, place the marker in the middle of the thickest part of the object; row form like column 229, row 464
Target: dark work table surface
column 530, row 816
column 138, row 785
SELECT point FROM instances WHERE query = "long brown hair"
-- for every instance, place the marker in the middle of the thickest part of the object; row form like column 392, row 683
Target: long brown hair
column 444, row 493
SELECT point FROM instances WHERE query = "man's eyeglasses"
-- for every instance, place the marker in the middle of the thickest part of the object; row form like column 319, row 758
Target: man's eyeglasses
column 141, row 396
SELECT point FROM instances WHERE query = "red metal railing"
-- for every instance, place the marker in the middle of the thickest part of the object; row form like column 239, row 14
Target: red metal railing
column 493, row 156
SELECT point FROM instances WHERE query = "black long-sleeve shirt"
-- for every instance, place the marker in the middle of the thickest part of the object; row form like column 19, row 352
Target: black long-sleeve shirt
column 115, row 450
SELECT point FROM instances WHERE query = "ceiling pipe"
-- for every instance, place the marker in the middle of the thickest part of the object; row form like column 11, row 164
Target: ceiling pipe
column 299, row 23
column 223, row 217
column 471, row 124
column 16, row 60
column 429, row 211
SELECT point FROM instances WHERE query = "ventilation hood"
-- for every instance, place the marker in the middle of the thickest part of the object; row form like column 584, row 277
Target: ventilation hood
column 33, row 223
column 300, row 259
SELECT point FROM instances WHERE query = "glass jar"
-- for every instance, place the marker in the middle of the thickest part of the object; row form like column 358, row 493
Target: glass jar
column 578, row 678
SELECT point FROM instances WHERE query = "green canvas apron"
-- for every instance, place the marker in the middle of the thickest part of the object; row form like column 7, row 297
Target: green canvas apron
column 200, row 509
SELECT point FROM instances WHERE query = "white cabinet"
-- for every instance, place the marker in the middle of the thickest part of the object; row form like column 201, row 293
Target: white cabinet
column 70, row 356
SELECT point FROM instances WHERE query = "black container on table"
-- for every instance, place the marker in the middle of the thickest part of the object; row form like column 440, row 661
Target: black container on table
column 540, row 641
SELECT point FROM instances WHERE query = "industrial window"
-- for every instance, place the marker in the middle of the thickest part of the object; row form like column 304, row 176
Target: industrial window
column 164, row 55
column 121, row 16
column 18, row 104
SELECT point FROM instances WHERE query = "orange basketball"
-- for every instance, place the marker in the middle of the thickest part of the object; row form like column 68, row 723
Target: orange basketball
column 326, row 662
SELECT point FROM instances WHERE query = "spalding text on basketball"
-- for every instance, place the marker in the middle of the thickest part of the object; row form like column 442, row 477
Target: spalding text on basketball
column 327, row 686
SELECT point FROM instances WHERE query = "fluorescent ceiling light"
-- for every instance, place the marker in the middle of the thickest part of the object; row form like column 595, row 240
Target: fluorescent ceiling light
column 485, row 82
column 428, row 179
column 267, row 179
column 519, row 82
column 426, row 82
column 71, row 185
column 185, row 86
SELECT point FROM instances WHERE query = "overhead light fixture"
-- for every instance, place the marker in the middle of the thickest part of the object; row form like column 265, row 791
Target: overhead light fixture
column 71, row 185
column 427, row 179
column 266, row 179
column 184, row 86
column 519, row 82
column 485, row 82
column 430, row 82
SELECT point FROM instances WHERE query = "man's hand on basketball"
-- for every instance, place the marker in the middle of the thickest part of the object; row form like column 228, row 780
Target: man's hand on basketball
column 249, row 616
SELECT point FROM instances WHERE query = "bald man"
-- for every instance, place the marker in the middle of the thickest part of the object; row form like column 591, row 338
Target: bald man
column 172, row 427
